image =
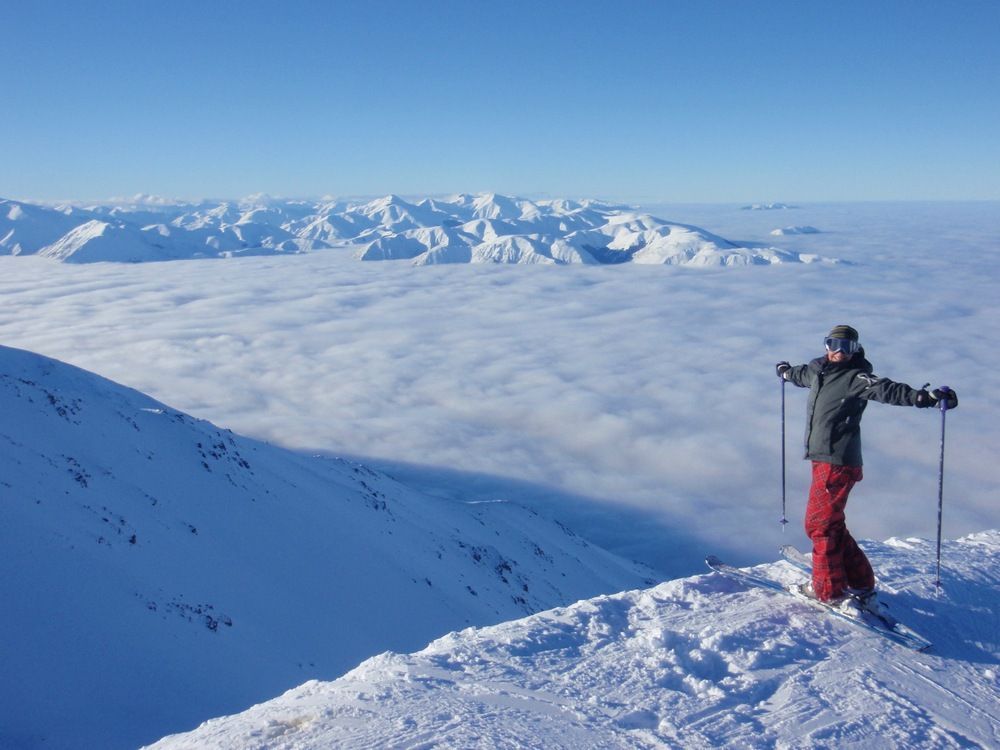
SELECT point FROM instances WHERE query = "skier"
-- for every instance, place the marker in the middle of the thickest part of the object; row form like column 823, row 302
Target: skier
column 841, row 384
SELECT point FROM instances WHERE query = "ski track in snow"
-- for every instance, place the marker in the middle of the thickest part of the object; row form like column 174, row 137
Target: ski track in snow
column 702, row 662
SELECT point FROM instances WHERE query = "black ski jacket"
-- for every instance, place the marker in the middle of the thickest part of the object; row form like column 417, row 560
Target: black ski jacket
column 838, row 396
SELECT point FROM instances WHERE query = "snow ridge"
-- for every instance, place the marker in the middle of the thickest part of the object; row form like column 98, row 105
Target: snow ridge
column 159, row 570
column 701, row 662
column 483, row 228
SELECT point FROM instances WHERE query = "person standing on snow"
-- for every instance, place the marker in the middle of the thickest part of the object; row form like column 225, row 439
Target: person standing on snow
column 841, row 383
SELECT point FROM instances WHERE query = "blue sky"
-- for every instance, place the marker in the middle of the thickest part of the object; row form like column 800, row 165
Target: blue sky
column 640, row 101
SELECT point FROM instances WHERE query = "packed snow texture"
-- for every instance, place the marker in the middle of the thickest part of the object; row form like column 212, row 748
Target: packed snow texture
column 158, row 570
column 701, row 662
column 483, row 228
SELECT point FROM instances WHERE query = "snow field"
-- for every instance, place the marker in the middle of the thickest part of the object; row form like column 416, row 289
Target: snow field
column 701, row 662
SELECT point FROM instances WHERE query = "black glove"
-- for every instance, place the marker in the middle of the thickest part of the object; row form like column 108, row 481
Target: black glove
column 948, row 395
column 924, row 399
column 781, row 368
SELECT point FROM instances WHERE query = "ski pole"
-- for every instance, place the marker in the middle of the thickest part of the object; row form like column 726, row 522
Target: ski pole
column 784, row 520
column 944, row 408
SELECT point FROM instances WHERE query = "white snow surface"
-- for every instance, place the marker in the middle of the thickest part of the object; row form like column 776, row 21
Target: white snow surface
column 484, row 228
column 158, row 570
column 700, row 662
column 26, row 228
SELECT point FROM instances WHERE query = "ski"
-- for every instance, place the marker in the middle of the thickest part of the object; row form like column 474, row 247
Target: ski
column 803, row 562
column 865, row 619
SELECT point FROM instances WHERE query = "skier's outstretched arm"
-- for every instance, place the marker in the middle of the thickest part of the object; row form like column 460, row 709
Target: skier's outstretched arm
column 886, row 391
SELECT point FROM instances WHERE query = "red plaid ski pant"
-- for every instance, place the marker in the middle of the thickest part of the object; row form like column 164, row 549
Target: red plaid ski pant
column 838, row 561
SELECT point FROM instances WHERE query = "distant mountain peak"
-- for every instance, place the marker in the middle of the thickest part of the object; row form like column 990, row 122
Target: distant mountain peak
column 557, row 230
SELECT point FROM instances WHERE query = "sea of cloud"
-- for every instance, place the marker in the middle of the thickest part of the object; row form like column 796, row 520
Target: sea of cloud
column 637, row 403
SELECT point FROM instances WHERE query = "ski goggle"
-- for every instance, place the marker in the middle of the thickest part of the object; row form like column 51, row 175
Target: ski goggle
column 847, row 346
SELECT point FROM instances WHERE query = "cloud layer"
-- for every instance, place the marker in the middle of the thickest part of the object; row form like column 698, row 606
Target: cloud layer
column 645, row 389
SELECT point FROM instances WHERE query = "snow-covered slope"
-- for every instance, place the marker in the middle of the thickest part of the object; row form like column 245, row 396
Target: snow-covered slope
column 701, row 662
column 158, row 570
column 483, row 228
column 26, row 228
column 98, row 240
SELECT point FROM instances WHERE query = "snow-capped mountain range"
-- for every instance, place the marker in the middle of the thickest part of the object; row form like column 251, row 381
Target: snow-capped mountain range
column 463, row 228
column 158, row 570
column 700, row 662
